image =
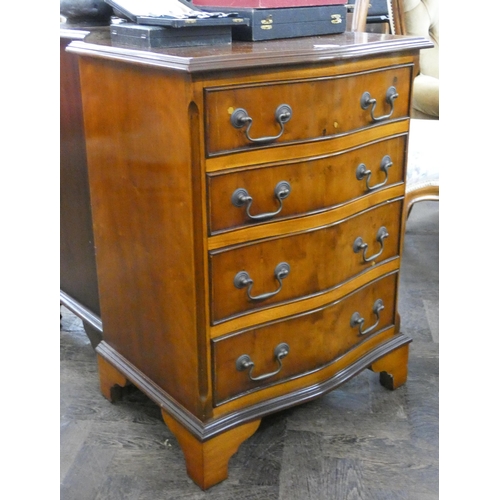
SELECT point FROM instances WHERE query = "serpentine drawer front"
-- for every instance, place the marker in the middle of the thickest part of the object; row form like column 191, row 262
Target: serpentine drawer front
column 317, row 260
column 263, row 193
column 281, row 112
column 334, row 333
column 247, row 205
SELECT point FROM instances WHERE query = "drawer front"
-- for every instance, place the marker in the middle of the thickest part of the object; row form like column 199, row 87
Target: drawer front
column 243, row 117
column 268, row 193
column 254, row 276
column 314, row 340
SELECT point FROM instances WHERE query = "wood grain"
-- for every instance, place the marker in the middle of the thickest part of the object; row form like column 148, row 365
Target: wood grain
column 316, row 184
column 319, row 260
column 336, row 104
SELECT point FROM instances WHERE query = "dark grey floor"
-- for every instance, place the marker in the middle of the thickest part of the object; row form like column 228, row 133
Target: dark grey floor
column 358, row 442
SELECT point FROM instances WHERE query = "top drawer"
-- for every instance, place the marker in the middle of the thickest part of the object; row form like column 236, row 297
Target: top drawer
column 260, row 115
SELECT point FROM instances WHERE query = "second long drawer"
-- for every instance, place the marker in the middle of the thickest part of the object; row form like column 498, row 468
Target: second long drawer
column 256, row 275
column 249, row 196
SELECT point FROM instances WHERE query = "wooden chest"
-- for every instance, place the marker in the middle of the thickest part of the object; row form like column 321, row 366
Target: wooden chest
column 247, row 211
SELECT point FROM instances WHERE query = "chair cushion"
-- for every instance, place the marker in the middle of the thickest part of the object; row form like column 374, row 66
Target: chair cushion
column 426, row 96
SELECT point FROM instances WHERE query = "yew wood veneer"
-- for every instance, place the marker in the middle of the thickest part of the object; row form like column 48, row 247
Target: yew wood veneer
column 247, row 214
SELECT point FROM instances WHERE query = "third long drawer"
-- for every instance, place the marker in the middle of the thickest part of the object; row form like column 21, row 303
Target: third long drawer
column 255, row 275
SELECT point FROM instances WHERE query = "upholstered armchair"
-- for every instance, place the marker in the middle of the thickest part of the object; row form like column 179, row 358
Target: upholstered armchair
column 421, row 17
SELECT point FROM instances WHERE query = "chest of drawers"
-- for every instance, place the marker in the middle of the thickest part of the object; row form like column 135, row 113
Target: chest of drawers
column 247, row 211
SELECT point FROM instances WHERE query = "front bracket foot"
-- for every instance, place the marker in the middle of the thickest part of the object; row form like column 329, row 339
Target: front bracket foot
column 393, row 368
column 207, row 462
column 112, row 381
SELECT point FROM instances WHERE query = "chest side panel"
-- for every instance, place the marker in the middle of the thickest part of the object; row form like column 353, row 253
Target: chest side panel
column 142, row 186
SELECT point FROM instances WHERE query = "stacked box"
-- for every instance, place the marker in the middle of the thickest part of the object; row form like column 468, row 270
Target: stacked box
column 290, row 22
column 139, row 36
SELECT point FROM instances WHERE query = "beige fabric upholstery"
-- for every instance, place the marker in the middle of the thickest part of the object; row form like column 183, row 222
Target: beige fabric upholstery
column 422, row 18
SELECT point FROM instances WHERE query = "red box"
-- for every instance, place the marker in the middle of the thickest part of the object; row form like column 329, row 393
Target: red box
column 266, row 4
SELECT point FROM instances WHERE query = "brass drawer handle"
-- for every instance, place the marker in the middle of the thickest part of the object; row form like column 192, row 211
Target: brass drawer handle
column 360, row 245
column 241, row 197
column 363, row 172
column 358, row 321
column 367, row 101
column 242, row 280
column 244, row 362
column 240, row 118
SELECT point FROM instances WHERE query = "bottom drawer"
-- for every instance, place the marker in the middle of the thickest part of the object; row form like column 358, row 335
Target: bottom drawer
column 252, row 359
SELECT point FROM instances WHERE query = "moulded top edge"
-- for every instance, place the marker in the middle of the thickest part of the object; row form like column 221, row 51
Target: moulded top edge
column 239, row 55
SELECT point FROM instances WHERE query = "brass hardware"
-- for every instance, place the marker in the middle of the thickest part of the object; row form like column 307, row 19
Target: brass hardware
column 237, row 20
column 244, row 362
column 336, row 19
column 367, row 101
column 243, row 280
column 360, row 245
column 266, row 27
column 362, row 171
column 241, row 197
column 240, row 118
column 268, row 20
column 358, row 321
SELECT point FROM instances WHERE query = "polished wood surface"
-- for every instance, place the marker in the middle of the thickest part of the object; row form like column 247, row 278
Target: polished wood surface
column 315, row 338
column 156, row 124
column 321, row 107
column 111, row 380
column 256, row 56
column 393, row 367
column 148, row 255
column 319, row 259
column 207, row 462
column 316, row 184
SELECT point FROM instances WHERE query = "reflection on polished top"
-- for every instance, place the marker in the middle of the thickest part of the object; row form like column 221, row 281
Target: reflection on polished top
column 251, row 54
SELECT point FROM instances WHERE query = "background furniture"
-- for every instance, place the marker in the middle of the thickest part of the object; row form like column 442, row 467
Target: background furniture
column 422, row 183
column 421, row 18
column 248, row 207
column 78, row 274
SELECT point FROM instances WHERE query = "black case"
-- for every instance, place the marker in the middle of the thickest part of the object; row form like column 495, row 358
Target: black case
column 157, row 32
column 288, row 22
column 140, row 36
